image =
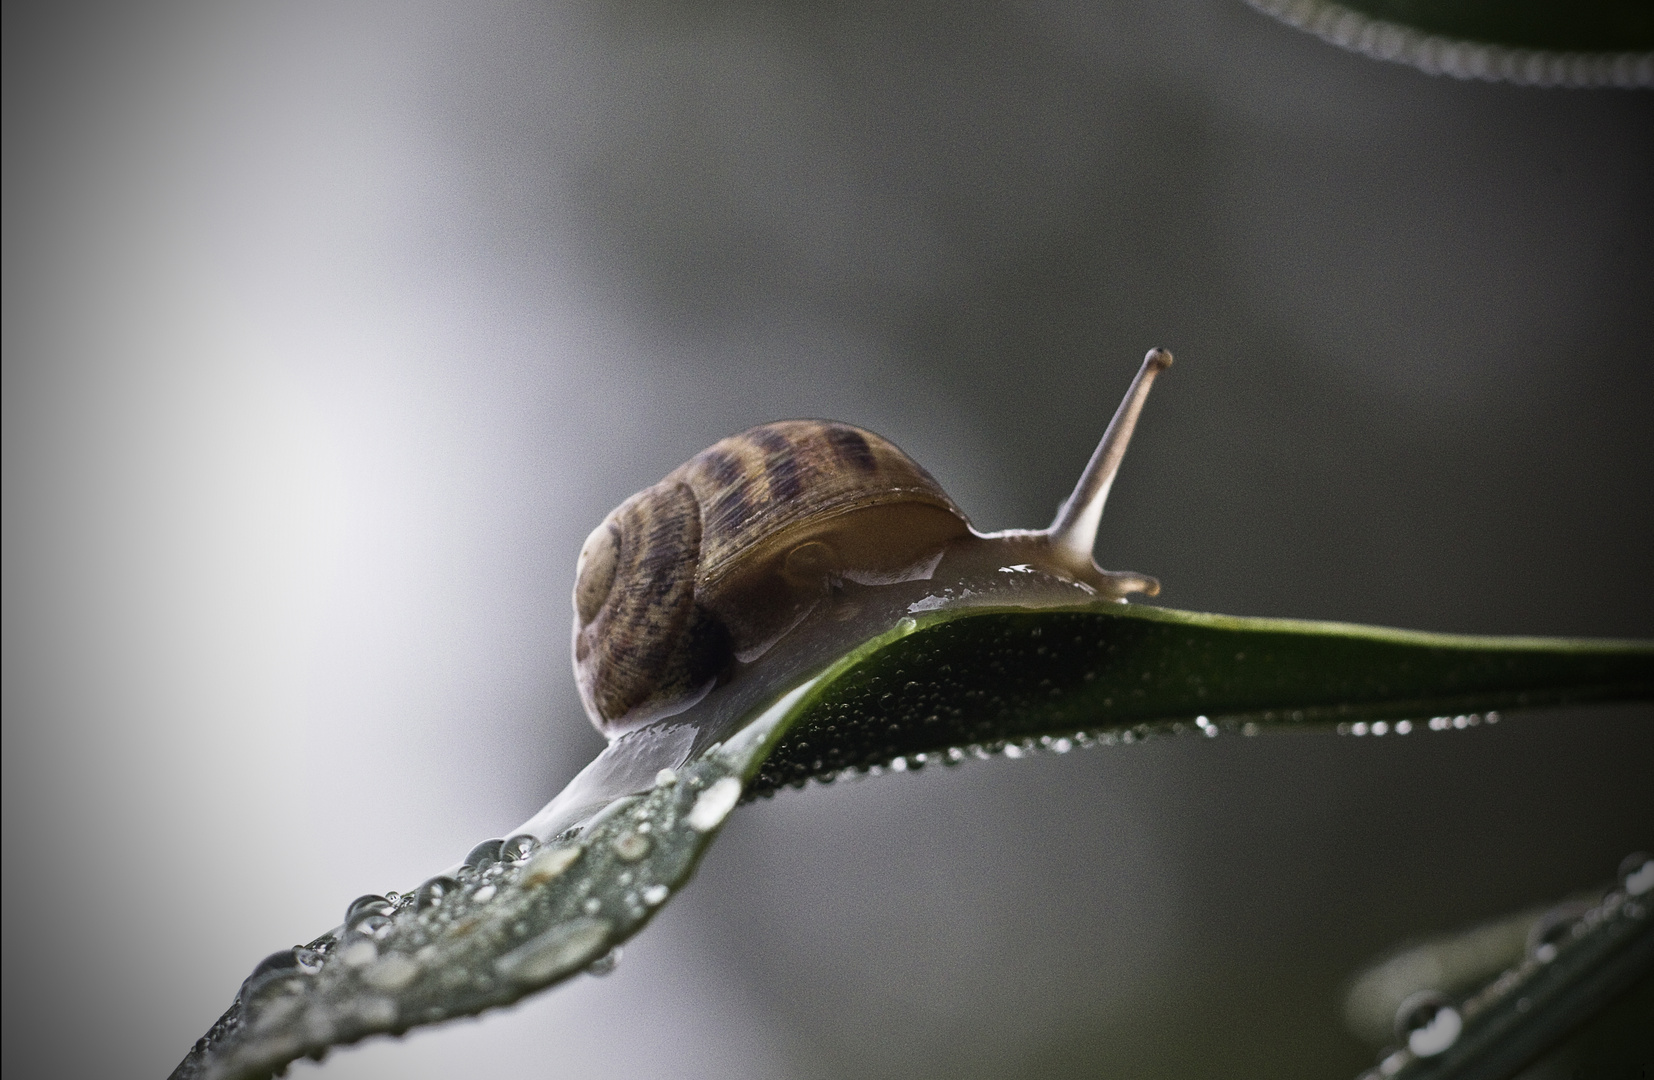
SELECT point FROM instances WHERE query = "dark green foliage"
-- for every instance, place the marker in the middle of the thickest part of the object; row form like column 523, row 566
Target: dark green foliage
column 975, row 678
column 1581, row 25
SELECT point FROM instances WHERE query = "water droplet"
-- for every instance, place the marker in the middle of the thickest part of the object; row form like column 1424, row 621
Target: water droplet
column 1637, row 873
column 390, row 973
column 308, row 960
column 484, row 853
column 1013, row 751
column 1428, row 1023
column 272, row 969
column 518, row 848
column 1438, row 723
column 276, row 961
column 484, row 894
column 1358, row 728
column 358, row 952
column 631, row 846
column 1403, row 727
column 1461, row 722
column 655, row 895
column 556, row 952
column 592, row 906
column 376, row 1011
column 898, row 764
column 376, row 926
column 549, row 864
column 713, row 805
column 1381, row 728
column 606, row 963
column 665, row 778
column 906, row 625
column 269, row 1010
column 434, row 892
column 1552, row 929
column 370, row 916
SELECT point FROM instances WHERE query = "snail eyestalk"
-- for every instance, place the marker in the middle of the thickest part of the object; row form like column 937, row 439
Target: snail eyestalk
column 1074, row 532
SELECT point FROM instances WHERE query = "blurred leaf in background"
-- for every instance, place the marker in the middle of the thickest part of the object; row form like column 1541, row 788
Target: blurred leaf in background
column 1530, row 42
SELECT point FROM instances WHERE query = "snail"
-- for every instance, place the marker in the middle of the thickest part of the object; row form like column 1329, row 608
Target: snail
column 795, row 536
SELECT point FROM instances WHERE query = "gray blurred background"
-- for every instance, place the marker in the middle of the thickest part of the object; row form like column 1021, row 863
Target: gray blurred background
column 332, row 328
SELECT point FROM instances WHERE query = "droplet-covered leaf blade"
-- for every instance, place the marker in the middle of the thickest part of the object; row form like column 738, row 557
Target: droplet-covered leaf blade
column 948, row 679
column 979, row 678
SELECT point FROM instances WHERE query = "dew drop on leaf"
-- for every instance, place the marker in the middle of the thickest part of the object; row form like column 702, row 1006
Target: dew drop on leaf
column 713, row 805
column 365, row 906
column 605, row 964
column 1637, row 873
column 1428, row 1023
column 518, row 848
column 561, row 949
column 548, row 865
column 391, row 973
column 434, row 892
column 484, row 853
column 359, row 952
column 631, row 846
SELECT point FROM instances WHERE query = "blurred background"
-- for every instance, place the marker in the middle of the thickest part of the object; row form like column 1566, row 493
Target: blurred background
column 332, row 328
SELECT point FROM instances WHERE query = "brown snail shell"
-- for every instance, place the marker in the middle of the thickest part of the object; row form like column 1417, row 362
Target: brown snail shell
column 729, row 551
column 707, row 569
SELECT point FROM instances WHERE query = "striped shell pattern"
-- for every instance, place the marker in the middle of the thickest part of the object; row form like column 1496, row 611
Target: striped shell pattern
column 660, row 581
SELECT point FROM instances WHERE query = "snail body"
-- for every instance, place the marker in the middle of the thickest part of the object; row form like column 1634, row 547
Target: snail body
column 790, row 536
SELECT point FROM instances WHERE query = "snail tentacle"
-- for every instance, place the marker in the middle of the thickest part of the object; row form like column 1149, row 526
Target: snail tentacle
column 1074, row 531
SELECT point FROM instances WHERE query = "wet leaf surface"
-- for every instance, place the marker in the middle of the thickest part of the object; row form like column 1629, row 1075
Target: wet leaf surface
column 525, row 913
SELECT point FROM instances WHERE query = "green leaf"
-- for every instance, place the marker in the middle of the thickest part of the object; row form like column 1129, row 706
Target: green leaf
column 945, row 684
column 503, row 928
column 1533, row 42
column 984, row 679
column 1553, row 971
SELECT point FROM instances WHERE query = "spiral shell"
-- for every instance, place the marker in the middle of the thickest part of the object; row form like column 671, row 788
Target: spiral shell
column 732, row 549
